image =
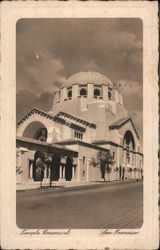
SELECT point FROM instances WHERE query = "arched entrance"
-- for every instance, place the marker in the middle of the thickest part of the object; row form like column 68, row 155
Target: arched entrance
column 55, row 165
column 68, row 170
column 36, row 130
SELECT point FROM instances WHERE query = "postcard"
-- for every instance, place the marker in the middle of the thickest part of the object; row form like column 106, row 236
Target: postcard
column 79, row 125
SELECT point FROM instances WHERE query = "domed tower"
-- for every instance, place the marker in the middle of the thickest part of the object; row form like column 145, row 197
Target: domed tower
column 90, row 96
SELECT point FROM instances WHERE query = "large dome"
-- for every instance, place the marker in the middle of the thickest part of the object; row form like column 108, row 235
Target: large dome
column 83, row 78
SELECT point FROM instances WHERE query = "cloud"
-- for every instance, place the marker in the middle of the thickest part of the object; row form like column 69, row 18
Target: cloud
column 43, row 73
column 112, row 46
column 26, row 101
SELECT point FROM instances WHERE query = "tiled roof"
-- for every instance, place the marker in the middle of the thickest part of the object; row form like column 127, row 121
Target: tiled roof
column 82, row 78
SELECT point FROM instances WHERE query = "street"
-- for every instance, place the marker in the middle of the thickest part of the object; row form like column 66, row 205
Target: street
column 118, row 205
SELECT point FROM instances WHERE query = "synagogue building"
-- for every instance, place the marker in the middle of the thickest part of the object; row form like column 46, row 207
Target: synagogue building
column 87, row 119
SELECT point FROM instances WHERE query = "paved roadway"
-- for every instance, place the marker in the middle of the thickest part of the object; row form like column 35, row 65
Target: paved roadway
column 118, row 205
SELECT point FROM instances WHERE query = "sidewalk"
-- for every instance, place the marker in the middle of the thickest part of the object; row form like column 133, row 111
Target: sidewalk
column 75, row 185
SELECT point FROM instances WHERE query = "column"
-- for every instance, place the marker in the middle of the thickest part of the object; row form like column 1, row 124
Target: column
column 49, row 173
column 88, row 163
column 78, row 168
column 30, row 162
column 45, row 172
column 31, row 171
column 63, row 174
column 72, row 173
column 60, row 172
column 45, row 179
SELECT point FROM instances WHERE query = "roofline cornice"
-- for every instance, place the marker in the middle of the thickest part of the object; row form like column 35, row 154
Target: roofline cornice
column 56, row 118
column 105, row 142
column 44, row 144
column 78, row 142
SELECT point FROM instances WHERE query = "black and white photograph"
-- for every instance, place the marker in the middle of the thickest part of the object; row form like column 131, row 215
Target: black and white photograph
column 79, row 144
column 79, row 125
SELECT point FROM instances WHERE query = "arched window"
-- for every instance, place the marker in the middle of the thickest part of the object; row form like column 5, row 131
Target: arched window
column 70, row 94
column 96, row 92
column 128, row 140
column 83, row 92
column 109, row 95
column 128, row 144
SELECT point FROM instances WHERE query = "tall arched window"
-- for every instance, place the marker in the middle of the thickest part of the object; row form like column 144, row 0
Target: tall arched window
column 96, row 92
column 83, row 92
column 128, row 140
column 70, row 94
column 128, row 144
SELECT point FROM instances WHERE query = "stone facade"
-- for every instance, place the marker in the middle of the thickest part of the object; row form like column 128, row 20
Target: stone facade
column 87, row 117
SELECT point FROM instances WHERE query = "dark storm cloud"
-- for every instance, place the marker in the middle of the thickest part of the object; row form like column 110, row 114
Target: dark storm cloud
column 50, row 50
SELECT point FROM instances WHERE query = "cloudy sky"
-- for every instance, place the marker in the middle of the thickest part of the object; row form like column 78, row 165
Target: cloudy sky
column 50, row 50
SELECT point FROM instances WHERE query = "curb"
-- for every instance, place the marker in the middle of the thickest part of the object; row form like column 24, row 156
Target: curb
column 64, row 188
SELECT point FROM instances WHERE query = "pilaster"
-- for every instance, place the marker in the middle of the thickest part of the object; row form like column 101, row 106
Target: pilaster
column 105, row 93
column 75, row 91
column 116, row 96
column 79, row 167
column 90, row 91
column 63, row 95
column 73, row 172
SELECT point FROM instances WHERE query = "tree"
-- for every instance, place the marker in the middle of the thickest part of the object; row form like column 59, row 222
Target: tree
column 48, row 162
column 39, row 161
column 39, row 169
column 106, row 160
